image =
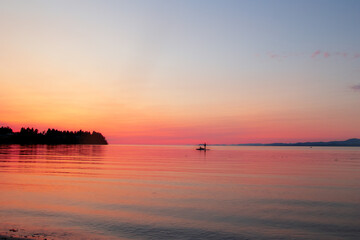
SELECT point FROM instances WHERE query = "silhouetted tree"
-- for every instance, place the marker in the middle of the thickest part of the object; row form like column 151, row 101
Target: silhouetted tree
column 51, row 136
column 5, row 131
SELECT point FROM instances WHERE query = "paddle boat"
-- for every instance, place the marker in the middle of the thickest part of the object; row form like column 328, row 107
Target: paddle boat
column 202, row 148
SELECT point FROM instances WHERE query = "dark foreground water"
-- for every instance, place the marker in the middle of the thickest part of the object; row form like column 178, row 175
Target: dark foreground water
column 175, row 192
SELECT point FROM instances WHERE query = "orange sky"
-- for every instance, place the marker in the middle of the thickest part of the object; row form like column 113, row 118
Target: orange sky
column 168, row 74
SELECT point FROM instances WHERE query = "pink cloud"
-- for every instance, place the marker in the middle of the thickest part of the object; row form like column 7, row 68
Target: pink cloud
column 315, row 53
column 355, row 87
column 273, row 55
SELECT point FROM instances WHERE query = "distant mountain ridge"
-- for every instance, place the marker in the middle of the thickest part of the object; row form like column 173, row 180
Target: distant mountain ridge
column 353, row 142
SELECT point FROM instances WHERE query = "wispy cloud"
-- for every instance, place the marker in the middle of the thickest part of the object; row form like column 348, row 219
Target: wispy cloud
column 315, row 54
column 355, row 87
column 318, row 54
column 326, row 54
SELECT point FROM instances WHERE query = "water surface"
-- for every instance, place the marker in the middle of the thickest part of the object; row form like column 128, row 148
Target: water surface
column 176, row 192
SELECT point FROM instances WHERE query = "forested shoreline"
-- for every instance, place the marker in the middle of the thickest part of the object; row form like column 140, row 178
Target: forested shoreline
column 51, row 136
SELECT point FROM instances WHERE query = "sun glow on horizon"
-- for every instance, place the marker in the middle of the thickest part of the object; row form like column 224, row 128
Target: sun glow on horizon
column 158, row 72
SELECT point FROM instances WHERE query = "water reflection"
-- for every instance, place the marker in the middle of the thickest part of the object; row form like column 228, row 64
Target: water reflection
column 76, row 150
column 46, row 159
column 70, row 150
column 175, row 192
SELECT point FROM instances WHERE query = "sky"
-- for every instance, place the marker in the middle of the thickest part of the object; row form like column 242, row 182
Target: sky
column 183, row 72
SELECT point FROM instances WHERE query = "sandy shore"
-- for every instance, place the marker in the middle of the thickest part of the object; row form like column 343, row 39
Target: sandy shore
column 11, row 238
column 21, row 234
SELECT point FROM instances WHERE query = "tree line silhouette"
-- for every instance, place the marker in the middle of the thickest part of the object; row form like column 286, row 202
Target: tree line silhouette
column 51, row 136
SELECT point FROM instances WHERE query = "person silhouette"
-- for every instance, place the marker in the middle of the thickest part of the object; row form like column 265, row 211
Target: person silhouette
column 204, row 145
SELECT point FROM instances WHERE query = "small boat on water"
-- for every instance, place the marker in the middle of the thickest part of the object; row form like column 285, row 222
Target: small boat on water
column 203, row 148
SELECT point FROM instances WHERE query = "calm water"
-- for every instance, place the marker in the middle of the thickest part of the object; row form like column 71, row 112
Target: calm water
column 175, row 192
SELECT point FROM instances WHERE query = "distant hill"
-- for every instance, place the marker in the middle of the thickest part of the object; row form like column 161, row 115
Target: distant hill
column 51, row 136
column 353, row 142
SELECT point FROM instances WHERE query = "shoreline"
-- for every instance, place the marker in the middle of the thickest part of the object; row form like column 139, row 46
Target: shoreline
column 21, row 234
column 4, row 237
